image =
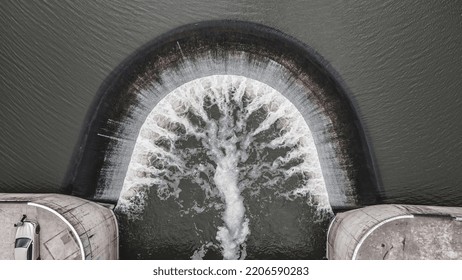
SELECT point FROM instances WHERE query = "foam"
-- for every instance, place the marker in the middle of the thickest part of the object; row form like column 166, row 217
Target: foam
column 226, row 139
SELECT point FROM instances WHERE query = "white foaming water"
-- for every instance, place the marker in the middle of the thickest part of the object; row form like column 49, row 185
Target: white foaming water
column 236, row 227
column 210, row 131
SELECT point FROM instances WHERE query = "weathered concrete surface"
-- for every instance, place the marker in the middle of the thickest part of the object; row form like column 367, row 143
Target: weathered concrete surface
column 71, row 227
column 396, row 232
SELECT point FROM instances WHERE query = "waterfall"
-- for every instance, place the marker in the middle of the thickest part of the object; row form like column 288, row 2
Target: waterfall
column 224, row 134
column 223, row 139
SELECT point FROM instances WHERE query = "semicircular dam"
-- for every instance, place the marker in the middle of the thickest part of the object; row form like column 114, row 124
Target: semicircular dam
column 226, row 140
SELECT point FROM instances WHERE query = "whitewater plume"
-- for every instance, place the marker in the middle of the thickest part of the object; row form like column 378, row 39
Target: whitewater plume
column 205, row 131
column 223, row 139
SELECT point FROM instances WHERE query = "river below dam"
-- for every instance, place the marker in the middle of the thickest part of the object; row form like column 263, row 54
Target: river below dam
column 399, row 62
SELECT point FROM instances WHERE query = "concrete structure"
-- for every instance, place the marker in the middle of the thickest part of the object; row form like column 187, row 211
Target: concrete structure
column 71, row 227
column 396, row 232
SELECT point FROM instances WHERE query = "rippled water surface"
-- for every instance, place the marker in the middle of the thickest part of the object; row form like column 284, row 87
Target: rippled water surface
column 401, row 61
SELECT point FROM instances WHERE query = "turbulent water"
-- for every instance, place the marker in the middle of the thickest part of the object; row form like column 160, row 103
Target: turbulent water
column 400, row 60
column 223, row 149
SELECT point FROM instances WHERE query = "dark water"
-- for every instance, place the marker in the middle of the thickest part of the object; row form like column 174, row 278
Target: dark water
column 401, row 61
column 225, row 166
column 216, row 123
column 282, row 237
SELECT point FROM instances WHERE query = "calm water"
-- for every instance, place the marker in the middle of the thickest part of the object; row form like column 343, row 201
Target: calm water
column 401, row 61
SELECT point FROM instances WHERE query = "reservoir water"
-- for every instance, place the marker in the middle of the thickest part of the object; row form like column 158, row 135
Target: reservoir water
column 399, row 61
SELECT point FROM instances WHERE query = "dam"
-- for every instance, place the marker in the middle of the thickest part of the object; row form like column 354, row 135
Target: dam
column 75, row 229
column 396, row 232
column 399, row 64
column 220, row 137
column 71, row 228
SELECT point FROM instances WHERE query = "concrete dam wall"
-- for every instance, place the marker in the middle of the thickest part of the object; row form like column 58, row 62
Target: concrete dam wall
column 216, row 121
column 226, row 48
column 396, row 232
column 70, row 227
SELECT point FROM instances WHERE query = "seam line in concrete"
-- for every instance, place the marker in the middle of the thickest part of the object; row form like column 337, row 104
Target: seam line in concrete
column 327, row 240
column 355, row 252
column 65, row 221
column 117, row 232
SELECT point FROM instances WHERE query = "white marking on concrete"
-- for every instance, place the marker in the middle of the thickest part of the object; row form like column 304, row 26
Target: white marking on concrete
column 327, row 240
column 76, row 235
column 355, row 252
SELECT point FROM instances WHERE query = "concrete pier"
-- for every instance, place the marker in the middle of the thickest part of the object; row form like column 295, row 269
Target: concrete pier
column 70, row 227
column 396, row 232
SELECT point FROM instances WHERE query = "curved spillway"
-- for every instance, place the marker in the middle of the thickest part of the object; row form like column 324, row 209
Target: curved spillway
column 218, row 121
